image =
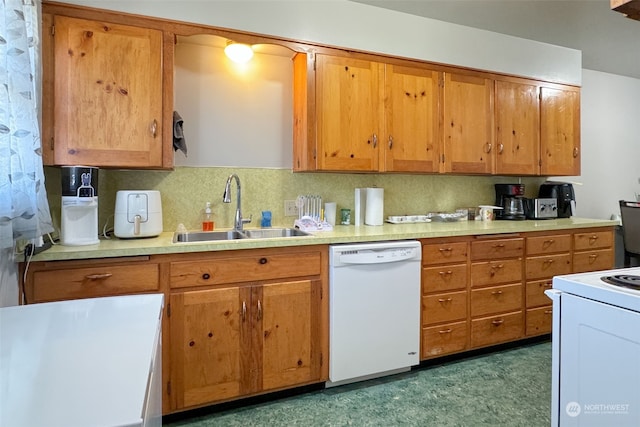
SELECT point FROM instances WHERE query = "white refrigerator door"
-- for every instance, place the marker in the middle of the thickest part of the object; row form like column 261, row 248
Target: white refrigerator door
column 599, row 364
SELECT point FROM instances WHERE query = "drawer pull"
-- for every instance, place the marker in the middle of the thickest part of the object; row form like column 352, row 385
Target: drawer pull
column 98, row 276
column 550, row 241
column 192, row 343
column 263, row 261
column 259, row 310
column 593, row 256
column 206, row 276
column 244, row 311
column 496, row 293
column 443, row 300
column 499, row 245
column 445, row 331
column 497, row 322
column 594, row 237
column 448, row 272
column 445, row 249
column 548, row 312
column 549, row 261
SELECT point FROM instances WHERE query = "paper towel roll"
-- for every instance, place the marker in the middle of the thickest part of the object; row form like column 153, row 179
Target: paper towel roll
column 374, row 211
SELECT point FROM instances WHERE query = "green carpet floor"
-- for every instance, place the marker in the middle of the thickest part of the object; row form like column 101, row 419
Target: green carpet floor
column 510, row 387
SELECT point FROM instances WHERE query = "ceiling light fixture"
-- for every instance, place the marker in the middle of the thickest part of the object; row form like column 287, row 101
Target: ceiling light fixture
column 238, row 52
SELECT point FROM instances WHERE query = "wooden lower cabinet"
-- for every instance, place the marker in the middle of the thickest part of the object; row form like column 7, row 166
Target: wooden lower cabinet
column 496, row 329
column 538, row 320
column 444, row 339
column 255, row 336
column 233, row 341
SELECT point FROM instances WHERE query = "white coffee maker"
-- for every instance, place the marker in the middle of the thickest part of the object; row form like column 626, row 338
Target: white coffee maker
column 79, row 216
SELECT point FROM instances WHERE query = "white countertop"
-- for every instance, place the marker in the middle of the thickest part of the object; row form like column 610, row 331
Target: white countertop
column 77, row 363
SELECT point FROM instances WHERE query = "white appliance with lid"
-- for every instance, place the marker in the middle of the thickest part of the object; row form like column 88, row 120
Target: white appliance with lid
column 596, row 349
column 79, row 211
column 374, row 299
column 138, row 214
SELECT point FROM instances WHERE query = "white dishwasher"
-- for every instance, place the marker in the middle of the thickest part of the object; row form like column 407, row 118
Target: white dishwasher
column 374, row 310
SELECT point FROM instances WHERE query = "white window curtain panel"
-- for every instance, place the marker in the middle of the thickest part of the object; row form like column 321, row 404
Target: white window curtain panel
column 24, row 209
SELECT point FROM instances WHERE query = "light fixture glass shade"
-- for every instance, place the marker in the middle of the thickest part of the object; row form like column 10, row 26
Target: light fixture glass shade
column 238, row 52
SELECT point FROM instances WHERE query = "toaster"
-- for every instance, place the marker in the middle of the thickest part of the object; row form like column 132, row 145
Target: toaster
column 138, row 214
column 541, row 208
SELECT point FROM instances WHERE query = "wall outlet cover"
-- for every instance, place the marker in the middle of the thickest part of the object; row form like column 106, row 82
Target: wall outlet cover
column 290, row 208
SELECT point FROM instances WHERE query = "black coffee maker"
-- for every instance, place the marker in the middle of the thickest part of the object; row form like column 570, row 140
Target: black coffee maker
column 510, row 197
column 563, row 192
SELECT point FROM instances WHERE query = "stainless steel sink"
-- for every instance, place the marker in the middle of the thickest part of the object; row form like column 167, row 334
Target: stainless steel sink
column 207, row 236
column 265, row 233
column 258, row 233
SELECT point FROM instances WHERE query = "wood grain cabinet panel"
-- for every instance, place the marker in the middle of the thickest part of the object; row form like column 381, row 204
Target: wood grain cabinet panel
column 496, row 329
column 492, row 249
column 560, row 131
column 593, row 240
column 444, row 278
column 546, row 266
column 444, row 253
column 444, row 339
column 602, row 259
column 539, row 320
column 517, row 128
column 548, row 244
column 496, row 299
column 535, row 295
column 444, row 307
column 486, row 273
column 107, row 102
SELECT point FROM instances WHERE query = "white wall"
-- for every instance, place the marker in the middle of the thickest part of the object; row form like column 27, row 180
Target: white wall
column 610, row 134
column 343, row 23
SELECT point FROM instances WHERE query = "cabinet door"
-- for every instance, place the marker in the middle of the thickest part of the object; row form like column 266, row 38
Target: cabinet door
column 560, row 131
column 108, row 94
column 412, row 133
column 517, row 128
column 288, row 319
column 209, row 341
column 468, row 124
column 349, row 112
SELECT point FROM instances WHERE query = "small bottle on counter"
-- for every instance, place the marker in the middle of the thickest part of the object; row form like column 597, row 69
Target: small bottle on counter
column 207, row 219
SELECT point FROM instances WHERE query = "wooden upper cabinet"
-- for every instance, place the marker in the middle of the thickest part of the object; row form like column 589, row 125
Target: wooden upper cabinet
column 517, row 128
column 107, row 94
column 631, row 8
column 560, row 131
column 412, row 132
column 468, row 124
column 348, row 113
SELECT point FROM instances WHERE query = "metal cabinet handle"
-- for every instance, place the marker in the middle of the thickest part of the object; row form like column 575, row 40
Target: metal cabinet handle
column 593, row 256
column 375, row 140
column 448, row 272
column 445, row 249
column 548, row 312
column 576, row 151
column 445, row 331
column 497, row 322
column 488, row 146
column 549, row 261
column 498, row 245
column 390, row 142
column 445, row 299
column 98, row 276
column 153, row 128
column 259, row 310
column 263, row 261
column 500, row 148
column 594, row 237
column 496, row 293
column 244, row 311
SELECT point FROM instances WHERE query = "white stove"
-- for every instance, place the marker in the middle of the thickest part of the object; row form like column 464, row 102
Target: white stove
column 596, row 349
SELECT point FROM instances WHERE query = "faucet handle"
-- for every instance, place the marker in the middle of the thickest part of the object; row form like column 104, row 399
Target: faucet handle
column 247, row 220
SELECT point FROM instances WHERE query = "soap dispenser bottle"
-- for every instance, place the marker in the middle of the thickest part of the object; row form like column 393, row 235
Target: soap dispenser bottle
column 207, row 219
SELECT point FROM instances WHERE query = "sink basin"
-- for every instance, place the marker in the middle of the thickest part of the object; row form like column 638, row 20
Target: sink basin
column 265, row 233
column 206, row 236
column 258, row 233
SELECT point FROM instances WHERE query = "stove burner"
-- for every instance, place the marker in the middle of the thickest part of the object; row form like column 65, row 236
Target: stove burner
column 625, row 280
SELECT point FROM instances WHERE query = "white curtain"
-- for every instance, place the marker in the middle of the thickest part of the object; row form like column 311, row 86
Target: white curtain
column 24, row 209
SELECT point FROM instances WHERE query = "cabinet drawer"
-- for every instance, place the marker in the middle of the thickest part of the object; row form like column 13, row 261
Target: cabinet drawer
column 492, row 249
column 595, row 240
column 544, row 267
column 535, row 295
column 539, row 320
column 496, row 329
column 97, row 281
column 444, row 339
column 442, row 253
column 592, row 260
column 244, row 269
column 541, row 245
column 496, row 299
column 444, row 278
column 444, row 307
column 496, row 272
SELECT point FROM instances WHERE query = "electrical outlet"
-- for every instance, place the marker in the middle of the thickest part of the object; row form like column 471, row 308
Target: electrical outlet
column 290, row 208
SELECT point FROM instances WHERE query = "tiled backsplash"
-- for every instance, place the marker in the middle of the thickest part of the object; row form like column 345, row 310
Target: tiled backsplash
column 186, row 190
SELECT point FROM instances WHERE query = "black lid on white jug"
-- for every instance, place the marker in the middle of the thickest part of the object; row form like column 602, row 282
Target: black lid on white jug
column 79, row 181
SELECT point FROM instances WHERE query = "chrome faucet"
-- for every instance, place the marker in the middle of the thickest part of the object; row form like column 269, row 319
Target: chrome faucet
column 238, row 221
